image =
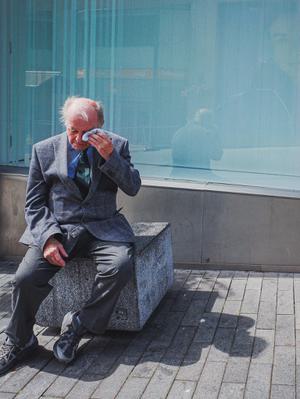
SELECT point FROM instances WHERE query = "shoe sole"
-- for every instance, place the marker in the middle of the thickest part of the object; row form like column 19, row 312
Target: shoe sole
column 26, row 353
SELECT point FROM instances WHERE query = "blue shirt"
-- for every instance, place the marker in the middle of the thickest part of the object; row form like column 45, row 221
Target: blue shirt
column 73, row 158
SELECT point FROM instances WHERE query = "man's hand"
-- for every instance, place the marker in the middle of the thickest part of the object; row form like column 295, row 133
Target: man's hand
column 102, row 143
column 53, row 252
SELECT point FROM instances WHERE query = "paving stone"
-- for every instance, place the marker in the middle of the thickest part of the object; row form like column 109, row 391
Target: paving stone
column 180, row 276
column 170, row 361
column 207, row 327
column 298, row 382
column 167, row 331
column 221, row 345
column 285, row 282
column 244, row 336
column 97, row 352
column 185, row 297
column 232, row 391
column 237, row 370
column 48, row 397
column 284, row 365
column 227, row 273
column 229, row 316
column 41, row 381
column 263, row 347
column 251, row 301
column 182, row 301
column 285, row 302
column 26, row 372
column 211, row 274
column 216, row 302
column 180, row 344
column 297, row 347
column 237, row 289
column 269, row 290
column 222, row 283
column 282, row 392
column 193, row 362
column 297, row 315
column 240, row 274
column 297, row 290
column 6, row 395
column 182, row 390
column 83, row 389
column 207, row 284
column 160, row 382
column 266, row 315
column 254, row 283
column 259, row 381
column 148, row 364
column 109, row 386
column 194, row 313
column 210, row 381
column 285, row 333
column 133, row 388
column 193, row 281
column 254, row 273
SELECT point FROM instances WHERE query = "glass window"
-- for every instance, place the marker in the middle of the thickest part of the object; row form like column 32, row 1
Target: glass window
column 205, row 90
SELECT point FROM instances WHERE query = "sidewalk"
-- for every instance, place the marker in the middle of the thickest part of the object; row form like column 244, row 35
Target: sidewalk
column 226, row 335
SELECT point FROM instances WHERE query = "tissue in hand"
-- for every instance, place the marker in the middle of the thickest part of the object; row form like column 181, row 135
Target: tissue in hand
column 85, row 137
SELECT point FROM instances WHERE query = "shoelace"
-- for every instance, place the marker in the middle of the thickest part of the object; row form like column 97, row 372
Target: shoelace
column 5, row 350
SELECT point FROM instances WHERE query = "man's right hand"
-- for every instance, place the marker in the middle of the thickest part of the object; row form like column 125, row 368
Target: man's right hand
column 54, row 252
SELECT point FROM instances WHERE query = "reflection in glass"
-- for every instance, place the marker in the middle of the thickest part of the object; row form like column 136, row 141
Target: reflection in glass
column 156, row 65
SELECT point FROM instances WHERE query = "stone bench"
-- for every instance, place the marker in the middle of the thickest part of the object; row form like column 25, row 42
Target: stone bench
column 153, row 276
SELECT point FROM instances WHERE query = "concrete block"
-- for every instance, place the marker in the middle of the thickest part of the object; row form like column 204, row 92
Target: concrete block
column 152, row 278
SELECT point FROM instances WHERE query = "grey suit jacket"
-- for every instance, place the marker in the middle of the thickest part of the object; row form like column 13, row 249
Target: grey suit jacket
column 54, row 204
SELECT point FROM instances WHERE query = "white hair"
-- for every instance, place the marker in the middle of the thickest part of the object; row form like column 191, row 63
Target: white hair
column 81, row 105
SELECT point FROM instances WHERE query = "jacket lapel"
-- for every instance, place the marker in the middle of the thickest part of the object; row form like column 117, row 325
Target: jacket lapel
column 61, row 163
column 96, row 172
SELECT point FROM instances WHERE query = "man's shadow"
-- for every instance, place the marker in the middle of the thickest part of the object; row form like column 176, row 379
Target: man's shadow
column 171, row 337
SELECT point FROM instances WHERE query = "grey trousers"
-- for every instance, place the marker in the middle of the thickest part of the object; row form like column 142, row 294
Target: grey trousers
column 114, row 263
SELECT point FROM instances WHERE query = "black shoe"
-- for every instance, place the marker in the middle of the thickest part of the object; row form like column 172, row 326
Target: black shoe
column 11, row 354
column 72, row 331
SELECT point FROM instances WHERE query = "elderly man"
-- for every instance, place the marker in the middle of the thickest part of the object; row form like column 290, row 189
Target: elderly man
column 71, row 210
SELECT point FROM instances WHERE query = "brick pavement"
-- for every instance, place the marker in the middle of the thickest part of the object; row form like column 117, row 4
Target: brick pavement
column 216, row 334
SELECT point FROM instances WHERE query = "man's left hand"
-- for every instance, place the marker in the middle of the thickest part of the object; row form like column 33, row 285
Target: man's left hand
column 102, row 143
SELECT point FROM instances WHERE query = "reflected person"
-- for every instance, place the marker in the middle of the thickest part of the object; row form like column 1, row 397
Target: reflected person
column 197, row 143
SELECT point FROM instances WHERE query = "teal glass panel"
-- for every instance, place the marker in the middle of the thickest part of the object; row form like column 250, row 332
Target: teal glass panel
column 205, row 90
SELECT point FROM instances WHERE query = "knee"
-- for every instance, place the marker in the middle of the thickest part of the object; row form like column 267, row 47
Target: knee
column 24, row 280
column 125, row 265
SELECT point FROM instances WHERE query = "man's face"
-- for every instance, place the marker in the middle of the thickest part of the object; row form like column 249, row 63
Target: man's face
column 77, row 126
column 285, row 37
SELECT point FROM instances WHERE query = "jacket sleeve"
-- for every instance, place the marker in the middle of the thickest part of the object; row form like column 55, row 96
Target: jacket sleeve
column 120, row 169
column 40, row 220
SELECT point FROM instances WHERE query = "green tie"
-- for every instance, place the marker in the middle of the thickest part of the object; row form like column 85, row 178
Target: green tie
column 83, row 173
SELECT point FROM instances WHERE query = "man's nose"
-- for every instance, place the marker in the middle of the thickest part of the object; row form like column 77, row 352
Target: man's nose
column 79, row 138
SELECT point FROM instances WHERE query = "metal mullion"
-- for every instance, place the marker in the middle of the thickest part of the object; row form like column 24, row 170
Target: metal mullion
column 86, row 48
column 5, row 95
column 65, row 50
column 112, row 66
column 31, row 91
column 73, row 42
column 92, row 71
column 54, row 62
